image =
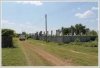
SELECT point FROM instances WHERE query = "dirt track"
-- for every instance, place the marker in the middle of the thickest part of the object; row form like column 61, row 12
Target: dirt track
column 29, row 48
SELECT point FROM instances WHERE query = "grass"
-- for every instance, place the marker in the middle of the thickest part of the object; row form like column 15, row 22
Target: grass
column 77, row 53
column 13, row 56
column 16, row 57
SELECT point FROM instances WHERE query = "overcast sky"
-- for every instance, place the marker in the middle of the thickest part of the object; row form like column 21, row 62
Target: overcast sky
column 28, row 16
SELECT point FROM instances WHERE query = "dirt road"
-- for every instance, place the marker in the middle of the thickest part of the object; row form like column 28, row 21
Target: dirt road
column 29, row 49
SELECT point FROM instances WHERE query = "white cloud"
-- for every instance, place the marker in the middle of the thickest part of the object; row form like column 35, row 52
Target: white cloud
column 86, row 14
column 37, row 3
column 94, row 8
column 6, row 22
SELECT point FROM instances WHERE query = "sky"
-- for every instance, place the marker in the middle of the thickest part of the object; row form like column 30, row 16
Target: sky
column 29, row 16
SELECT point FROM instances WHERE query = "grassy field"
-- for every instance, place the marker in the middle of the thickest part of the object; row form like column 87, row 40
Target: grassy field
column 77, row 53
column 13, row 56
column 16, row 57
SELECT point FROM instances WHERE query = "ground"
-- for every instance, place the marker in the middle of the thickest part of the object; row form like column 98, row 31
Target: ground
column 39, row 53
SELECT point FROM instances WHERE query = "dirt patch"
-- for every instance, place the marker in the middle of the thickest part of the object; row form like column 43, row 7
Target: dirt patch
column 26, row 53
column 54, row 60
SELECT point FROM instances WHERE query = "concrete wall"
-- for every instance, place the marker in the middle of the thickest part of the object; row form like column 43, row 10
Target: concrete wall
column 67, row 39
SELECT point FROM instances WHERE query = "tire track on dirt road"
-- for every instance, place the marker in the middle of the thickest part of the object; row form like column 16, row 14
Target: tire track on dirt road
column 25, row 51
column 45, row 55
column 31, row 57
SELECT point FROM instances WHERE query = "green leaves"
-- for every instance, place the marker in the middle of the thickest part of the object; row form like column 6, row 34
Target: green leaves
column 78, row 29
column 7, row 32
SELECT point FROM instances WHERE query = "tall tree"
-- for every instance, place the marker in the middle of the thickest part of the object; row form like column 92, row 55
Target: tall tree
column 65, row 31
column 40, row 33
column 77, row 29
column 72, row 28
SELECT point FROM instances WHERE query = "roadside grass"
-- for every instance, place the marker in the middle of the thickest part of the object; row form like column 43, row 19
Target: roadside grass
column 13, row 56
column 78, row 54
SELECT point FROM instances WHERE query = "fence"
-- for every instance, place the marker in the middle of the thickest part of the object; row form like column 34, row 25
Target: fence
column 65, row 39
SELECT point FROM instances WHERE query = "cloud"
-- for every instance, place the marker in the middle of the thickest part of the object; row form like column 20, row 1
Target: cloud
column 7, row 22
column 4, row 21
column 94, row 8
column 85, row 14
column 37, row 3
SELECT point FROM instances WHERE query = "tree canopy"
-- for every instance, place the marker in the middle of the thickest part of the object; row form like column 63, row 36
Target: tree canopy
column 78, row 29
column 7, row 32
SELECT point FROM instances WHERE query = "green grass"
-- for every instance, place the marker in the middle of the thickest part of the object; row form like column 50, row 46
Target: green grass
column 13, row 56
column 16, row 57
column 79, row 54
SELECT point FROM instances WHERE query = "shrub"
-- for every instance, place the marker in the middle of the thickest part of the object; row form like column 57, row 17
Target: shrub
column 7, row 32
column 77, row 40
column 60, row 43
column 91, row 44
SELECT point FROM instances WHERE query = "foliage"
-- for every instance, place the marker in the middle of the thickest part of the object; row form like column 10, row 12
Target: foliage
column 91, row 44
column 65, row 31
column 7, row 32
column 77, row 40
column 93, row 33
column 13, row 56
column 78, row 29
column 24, row 33
column 85, row 44
column 79, row 55
column 40, row 33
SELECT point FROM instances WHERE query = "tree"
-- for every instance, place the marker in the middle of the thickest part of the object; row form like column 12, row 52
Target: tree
column 93, row 33
column 24, row 33
column 40, row 33
column 86, row 31
column 77, row 29
column 65, row 31
column 7, row 32
column 80, row 29
column 72, row 28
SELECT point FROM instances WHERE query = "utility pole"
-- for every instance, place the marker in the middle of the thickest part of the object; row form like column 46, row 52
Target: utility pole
column 46, row 25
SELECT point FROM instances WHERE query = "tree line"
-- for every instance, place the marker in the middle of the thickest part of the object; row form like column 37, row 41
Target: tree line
column 78, row 29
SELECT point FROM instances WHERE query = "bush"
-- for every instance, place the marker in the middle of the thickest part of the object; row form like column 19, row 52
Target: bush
column 91, row 44
column 77, row 40
column 60, row 43
column 7, row 40
column 7, row 32
column 94, row 44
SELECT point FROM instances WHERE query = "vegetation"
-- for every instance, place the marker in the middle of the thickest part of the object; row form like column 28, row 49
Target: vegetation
column 76, row 53
column 13, row 56
column 7, row 32
column 78, row 29
column 7, row 35
column 93, row 33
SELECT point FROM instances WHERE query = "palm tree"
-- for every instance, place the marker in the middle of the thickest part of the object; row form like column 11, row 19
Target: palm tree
column 82, row 29
column 72, row 28
column 77, row 29
column 65, row 31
